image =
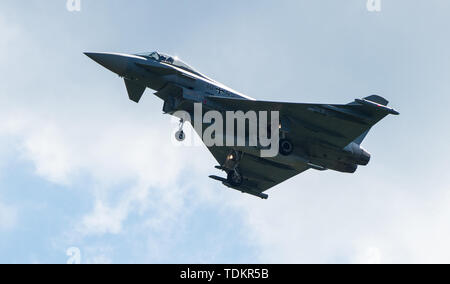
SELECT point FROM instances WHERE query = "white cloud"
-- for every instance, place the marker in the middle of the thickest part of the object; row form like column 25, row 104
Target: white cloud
column 132, row 165
column 104, row 220
column 380, row 222
column 44, row 146
column 38, row 141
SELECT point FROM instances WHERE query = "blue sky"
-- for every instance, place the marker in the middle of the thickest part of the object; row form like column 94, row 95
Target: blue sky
column 81, row 166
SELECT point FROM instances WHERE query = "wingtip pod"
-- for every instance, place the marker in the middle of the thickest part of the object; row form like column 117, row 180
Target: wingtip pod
column 378, row 103
column 394, row 112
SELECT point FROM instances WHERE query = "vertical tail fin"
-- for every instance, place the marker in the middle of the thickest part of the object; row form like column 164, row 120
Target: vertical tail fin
column 377, row 99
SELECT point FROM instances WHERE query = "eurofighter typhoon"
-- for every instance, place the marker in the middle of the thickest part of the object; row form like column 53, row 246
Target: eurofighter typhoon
column 258, row 144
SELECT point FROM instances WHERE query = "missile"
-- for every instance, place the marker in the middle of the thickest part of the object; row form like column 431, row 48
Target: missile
column 241, row 189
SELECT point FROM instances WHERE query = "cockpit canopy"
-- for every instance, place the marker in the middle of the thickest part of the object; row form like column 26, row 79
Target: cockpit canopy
column 160, row 57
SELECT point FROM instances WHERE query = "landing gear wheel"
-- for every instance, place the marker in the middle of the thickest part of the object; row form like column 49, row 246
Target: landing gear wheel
column 180, row 136
column 235, row 178
column 286, row 147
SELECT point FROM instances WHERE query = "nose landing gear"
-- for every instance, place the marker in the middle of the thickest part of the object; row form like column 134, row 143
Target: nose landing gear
column 180, row 136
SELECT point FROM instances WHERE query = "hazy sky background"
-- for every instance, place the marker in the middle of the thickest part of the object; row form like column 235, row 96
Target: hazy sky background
column 82, row 166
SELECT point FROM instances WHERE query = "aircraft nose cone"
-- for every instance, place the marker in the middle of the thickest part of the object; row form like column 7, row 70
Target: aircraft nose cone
column 117, row 63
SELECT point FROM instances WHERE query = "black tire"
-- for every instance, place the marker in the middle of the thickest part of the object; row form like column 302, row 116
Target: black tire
column 235, row 179
column 286, row 147
column 180, row 136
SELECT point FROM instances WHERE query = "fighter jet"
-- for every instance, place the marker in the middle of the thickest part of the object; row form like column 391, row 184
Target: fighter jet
column 311, row 136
